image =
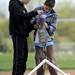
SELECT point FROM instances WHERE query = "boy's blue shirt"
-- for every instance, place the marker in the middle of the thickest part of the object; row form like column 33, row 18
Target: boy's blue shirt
column 51, row 21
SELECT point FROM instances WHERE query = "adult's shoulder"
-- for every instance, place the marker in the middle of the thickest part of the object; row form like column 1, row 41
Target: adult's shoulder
column 14, row 5
column 12, row 2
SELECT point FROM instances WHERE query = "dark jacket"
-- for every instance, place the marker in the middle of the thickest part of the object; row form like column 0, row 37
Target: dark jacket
column 19, row 19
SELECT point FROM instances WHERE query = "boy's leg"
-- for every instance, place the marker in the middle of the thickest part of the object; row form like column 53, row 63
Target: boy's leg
column 38, row 59
column 51, row 57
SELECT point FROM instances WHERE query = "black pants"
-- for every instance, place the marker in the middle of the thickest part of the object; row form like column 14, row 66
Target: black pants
column 20, row 54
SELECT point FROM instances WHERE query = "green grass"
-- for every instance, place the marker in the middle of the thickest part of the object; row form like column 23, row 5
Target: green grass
column 64, row 61
column 5, row 61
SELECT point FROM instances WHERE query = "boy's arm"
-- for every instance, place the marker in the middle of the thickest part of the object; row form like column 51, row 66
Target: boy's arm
column 52, row 25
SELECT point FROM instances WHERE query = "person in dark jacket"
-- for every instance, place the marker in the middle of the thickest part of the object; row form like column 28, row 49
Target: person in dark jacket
column 19, row 28
column 44, row 36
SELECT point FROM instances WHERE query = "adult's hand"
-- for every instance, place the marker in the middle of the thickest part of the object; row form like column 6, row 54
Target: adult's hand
column 36, row 26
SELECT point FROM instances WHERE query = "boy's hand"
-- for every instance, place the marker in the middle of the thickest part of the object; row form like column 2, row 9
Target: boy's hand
column 46, row 25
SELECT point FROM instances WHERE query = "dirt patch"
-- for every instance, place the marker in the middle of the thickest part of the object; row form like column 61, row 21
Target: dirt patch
column 72, row 72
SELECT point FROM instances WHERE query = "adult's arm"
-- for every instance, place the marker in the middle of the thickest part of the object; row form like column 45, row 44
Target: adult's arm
column 15, row 8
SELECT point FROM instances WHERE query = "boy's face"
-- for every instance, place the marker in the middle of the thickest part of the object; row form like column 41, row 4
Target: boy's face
column 47, row 8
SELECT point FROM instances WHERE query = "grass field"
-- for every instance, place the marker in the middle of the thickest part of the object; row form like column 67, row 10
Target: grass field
column 64, row 61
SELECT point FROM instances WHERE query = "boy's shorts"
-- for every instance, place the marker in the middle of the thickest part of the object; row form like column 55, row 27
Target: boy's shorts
column 49, row 43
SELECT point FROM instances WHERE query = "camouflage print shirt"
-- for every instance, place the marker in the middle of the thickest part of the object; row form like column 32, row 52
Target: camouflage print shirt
column 51, row 20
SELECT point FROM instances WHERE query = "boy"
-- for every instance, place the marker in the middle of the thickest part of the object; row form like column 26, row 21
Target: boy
column 48, row 33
